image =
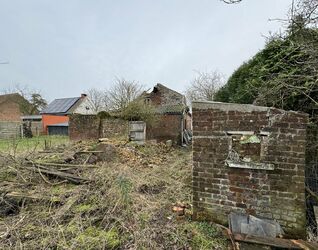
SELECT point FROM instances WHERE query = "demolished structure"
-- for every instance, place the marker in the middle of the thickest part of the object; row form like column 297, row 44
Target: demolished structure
column 249, row 159
column 174, row 119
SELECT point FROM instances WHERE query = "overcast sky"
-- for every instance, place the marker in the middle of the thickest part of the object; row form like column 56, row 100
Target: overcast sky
column 64, row 47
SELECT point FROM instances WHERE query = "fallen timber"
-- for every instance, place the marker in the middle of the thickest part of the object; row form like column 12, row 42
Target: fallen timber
column 40, row 167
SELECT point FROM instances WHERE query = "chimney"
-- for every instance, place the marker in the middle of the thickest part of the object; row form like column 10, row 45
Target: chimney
column 83, row 95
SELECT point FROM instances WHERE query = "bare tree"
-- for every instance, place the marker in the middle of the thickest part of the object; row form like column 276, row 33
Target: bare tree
column 205, row 85
column 123, row 92
column 305, row 11
column 22, row 90
column 98, row 99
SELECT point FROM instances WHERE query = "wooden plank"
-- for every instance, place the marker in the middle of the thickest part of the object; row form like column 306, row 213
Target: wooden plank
column 89, row 152
column 63, row 165
column 24, row 195
column 50, row 152
column 306, row 245
column 273, row 242
column 66, row 176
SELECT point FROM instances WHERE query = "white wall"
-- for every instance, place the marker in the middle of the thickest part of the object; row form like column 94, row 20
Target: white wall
column 85, row 108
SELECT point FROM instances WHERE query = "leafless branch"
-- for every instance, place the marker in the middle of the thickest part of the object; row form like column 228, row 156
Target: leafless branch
column 205, row 85
column 123, row 92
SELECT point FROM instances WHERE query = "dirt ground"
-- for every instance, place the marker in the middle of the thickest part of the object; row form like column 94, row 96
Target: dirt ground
column 121, row 196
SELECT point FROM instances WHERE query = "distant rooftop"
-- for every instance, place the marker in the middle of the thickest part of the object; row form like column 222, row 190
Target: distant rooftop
column 31, row 117
column 60, row 106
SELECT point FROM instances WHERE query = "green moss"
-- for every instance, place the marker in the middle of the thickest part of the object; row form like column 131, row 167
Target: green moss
column 83, row 208
column 55, row 199
column 94, row 238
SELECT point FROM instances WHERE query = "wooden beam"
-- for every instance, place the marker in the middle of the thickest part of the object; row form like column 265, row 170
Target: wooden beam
column 273, row 242
column 89, row 152
column 64, row 165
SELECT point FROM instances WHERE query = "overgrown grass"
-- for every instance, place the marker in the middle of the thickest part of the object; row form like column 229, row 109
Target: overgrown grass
column 32, row 144
column 128, row 204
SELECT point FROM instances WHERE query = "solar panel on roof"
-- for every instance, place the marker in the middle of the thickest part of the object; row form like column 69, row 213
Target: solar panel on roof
column 60, row 105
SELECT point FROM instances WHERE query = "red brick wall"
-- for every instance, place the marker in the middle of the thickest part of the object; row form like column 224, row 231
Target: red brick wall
column 167, row 127
column 88, row 127
column 84, row 127
column 156, row 98
column 219, row 189
column 10, row 111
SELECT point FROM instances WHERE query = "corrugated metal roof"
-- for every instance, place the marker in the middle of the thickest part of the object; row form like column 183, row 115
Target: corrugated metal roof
column 31, row 117
column 64, row 124
column 60, row 105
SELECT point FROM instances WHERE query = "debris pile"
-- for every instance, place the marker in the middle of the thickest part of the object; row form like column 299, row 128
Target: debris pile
column 101, row 195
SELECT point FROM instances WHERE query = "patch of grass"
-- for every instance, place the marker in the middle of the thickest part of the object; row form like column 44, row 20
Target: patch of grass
column 203, row 235
column 83, row 208
column 125, row 187
column 143, row 219
column 95, row 238
column 61, row 189
column 29, row 144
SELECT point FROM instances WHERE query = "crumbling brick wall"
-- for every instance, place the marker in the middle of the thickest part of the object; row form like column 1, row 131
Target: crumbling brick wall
column 87, row 127
column 164, row 96
column 84, row 127
column 114, row 127
column 167, row 127
column 249, row 159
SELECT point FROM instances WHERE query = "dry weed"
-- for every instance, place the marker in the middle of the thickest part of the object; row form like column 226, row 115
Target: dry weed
column 127, row 205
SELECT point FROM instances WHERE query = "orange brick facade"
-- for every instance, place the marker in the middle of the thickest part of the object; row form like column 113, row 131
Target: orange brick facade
column 52, row 119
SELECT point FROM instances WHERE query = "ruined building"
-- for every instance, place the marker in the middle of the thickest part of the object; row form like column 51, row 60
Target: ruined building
column 249, row 159
column 173, row 114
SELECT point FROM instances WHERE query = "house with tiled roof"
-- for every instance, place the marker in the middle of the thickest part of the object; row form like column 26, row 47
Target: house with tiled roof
column 55, row 116
column 173, row 113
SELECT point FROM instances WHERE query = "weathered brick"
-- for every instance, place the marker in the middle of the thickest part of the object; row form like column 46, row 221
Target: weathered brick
column 277, row 193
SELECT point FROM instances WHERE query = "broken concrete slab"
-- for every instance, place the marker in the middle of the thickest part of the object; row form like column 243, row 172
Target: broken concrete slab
column 251, row 225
